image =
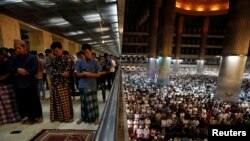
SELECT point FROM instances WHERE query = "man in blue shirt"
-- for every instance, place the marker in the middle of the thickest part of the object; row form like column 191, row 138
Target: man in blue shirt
column 88, row 70
column 25, row 67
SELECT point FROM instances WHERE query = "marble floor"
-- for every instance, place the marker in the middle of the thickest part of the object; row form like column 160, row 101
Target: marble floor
column 28, row 131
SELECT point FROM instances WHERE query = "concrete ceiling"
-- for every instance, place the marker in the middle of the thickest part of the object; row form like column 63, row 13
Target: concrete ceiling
column 82, row 21
column 100, row 23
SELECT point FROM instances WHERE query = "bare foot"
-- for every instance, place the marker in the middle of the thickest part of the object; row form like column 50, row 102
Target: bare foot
column 27, row 121
column 97, row 121
column 39, row 120
column 79, row 121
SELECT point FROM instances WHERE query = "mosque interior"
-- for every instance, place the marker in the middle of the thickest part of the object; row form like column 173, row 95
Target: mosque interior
column 200, row 31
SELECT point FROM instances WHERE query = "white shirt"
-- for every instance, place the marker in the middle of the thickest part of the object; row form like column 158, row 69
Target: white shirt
column 163, row 123
column 169, row 122
column 146, row 133
column 137, row 115
column 112, row 68
column 147, row 121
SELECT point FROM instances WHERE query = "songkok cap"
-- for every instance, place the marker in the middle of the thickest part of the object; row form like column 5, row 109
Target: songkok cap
column 19, row 42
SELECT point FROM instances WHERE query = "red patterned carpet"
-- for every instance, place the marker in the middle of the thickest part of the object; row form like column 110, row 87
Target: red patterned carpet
column 64, row 135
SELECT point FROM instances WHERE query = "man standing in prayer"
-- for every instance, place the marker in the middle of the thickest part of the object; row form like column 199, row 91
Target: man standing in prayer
column 61, row 108
column 25, row 67
column 8, row 106
column 88, row 70
column 49, row 56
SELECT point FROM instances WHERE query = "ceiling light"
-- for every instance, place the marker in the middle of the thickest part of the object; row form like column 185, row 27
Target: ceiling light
column 88, row 0
column 110, row 0
column 105, row 37
column 13, row 1
column 74, row 33
column 108, row 41
column 110, row 13
column 103, row 29
column 96, row 45
column 44, row 3
column 79, row 32
column 93, row 43
column 58, row 21
column 215, row 8
column 114, row 27
column 86, row 39
column 113, row 9
column 70, row 34
column 62, row 23
column 114, row 18
column 92, row 17
column 117, row 35
column 77, row 1
column 187, row 7
column 178, row 5
column 200, row 8
column 110, row 44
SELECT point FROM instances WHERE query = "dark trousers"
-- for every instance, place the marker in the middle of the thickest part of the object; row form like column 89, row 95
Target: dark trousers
column 72, row 85
column 108, row 78
column 112, row 77
column 28, row 102
column 102, row 87
column 45, row 80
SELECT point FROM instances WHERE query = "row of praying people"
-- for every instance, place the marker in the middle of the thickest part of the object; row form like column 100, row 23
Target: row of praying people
column 181, row 111
column 21, row 72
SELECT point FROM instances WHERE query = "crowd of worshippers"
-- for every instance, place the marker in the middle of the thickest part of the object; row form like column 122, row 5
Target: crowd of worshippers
column 25, row 76
column 182, row 111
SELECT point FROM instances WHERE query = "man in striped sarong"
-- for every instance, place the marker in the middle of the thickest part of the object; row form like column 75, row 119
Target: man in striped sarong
column 88, row 70
column 8, row 106
column 61, row 108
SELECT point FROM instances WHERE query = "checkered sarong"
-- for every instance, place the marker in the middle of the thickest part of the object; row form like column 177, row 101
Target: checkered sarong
column 8, row 106
column 61, row 108
column 89, row 106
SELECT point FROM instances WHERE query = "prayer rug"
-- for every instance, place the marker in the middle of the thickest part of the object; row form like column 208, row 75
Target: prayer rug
column 64, row 135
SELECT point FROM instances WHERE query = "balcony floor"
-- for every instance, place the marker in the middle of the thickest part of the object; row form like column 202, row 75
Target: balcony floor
column 28, row 131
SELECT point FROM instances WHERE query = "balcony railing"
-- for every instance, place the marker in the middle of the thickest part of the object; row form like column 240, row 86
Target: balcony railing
column 108, row 127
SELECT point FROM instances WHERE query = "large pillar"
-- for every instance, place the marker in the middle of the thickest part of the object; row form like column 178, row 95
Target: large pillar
column 65, row 44
column 159, row 47
column 200, row 66
column 168, row 17
column 202, row 53
column 160, row 27
column 78, row 47
column 72, row 48
column 154, row 17
column 39, row 40
column 10, row 30
column 176, row 65
column 235, row 51
column 47, row 37
column 179, row 31
column 247, row 69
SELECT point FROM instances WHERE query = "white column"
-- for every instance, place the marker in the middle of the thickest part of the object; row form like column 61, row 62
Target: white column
column 200, row 66
column 230, row 78
column 152, row 68
column 164, row 64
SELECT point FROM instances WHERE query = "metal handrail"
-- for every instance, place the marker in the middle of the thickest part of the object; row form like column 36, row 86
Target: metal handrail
column 108, row 124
